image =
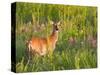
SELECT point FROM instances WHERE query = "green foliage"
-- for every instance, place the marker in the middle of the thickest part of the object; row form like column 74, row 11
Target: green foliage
column 76, row 21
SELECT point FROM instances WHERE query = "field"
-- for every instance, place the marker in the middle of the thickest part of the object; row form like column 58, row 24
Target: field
column 77, row 42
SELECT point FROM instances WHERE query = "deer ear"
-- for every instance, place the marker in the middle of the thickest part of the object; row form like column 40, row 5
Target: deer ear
column 51, row 22
column 58, row 23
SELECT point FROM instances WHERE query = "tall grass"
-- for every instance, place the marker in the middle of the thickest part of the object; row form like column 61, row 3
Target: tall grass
column 75, row 48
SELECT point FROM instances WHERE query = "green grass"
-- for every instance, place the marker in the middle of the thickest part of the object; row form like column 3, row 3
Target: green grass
column 76, row 21
column 65, row 60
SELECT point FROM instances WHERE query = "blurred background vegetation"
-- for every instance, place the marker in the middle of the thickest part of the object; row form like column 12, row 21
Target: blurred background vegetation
column 77, row 44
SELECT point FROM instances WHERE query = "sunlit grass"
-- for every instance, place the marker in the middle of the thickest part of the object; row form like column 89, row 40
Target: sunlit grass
column 77, row 23
column 59, row 61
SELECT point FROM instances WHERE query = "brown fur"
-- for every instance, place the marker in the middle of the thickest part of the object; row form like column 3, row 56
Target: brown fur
column 43, row 46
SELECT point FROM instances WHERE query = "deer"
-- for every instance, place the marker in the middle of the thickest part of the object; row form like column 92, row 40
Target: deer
column 43, row 45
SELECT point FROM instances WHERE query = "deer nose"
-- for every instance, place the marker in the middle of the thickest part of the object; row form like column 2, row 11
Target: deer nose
column 57, row 29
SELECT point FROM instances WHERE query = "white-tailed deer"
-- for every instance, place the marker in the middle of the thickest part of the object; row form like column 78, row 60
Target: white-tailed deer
column 43, row 46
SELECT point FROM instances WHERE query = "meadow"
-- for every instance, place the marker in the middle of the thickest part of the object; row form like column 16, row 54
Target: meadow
column 77, row 42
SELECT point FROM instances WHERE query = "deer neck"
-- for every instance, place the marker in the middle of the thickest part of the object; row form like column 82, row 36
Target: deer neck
column 54, row 36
